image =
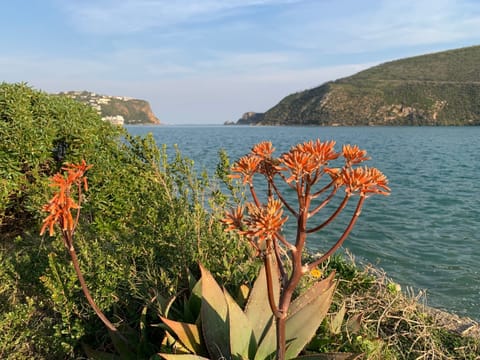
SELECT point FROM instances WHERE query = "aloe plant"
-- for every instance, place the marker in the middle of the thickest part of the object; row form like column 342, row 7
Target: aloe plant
column 225, row 330
column 303, row 169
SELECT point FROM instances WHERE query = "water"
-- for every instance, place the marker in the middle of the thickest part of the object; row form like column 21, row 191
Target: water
column 425, row 235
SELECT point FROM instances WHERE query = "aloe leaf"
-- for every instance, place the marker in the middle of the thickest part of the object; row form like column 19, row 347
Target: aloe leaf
column 242, row 340
column 337, row 321
column 258, row 308
column 170, row 341
column 242, row 295
column 187, row 334
column 182, row 357
column 193, row 305
column 311, row 294
column 260, row 314
column 214, row 312
column 302, row 324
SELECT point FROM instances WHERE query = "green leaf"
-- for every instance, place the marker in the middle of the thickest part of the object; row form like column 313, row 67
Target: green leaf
column 309, row 311
column 214, row 317
column 311, row 294
column 337, row 321
column 195, row 301
column 258, row 308
column 260, row 313
column 242, row 340
column 188, row 335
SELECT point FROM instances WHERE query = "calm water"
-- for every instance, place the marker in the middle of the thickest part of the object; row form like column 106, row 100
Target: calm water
column 425, row 235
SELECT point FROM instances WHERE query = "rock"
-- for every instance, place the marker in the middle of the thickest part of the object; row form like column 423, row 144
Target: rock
column 250, row 118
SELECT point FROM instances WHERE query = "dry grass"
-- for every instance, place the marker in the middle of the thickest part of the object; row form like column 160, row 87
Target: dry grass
column 383, row 322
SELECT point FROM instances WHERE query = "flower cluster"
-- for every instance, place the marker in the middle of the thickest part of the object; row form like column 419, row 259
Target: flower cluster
column 262, row 224
column 301, row 168
column 365, row 181
column 61, row 205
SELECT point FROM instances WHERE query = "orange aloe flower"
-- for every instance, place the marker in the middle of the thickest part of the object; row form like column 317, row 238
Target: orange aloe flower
column 234, row 219
column 76, row 172
column 246, row 167
column 61, row 205
column 263, row 149
column 379, row 181
column 354, row 155
column 322, row 152
column 365, row 181
column 299, row 163
column 335, row 175
column 264, row 222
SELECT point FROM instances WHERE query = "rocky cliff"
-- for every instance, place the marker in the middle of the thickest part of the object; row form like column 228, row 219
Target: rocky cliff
column 435, row 89
column 250, row 118
column 119, row 110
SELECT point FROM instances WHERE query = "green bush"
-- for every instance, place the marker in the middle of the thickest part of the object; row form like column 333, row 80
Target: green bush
column 144, row 222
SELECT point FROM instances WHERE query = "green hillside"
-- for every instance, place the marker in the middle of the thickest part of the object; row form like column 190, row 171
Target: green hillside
column 435, row 89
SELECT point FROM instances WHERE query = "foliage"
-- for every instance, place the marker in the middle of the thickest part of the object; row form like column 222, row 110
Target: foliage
column 386, row 324
column 224, row 330
column 145, row 220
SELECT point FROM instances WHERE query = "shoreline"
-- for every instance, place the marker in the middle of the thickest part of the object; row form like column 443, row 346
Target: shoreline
column 463, row 326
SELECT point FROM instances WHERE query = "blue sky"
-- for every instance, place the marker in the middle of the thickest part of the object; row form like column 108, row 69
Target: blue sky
column 206, row 62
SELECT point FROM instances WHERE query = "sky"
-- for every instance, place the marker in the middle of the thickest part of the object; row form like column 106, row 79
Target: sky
column 210, row 61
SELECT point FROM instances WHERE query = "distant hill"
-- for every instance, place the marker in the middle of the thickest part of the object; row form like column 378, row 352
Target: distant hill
column 435, row 89
column 116, row 109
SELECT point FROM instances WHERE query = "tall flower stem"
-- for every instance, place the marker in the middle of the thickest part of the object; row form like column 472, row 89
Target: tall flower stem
column 83, row 284
column 60, row 209
column 342, row 238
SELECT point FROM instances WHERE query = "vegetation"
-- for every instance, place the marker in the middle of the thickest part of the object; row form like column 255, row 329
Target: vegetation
column 434, row 89
column 144, row 224
column 147, row 220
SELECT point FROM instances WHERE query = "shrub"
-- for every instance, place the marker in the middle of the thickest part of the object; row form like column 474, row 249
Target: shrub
column 144, row 222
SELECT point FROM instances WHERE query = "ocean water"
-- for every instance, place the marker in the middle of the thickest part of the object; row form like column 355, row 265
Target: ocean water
column 425, row 235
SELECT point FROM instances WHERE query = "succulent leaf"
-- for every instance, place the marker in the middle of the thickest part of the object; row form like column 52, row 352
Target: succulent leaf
column 214, row 312
column 188, row 334
column 337, row 321
column 311, row 294
column 303, row 323
column 193, row 305
column 354, row 324
column 258, row 309
column 260, row 313
column 242, row 340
